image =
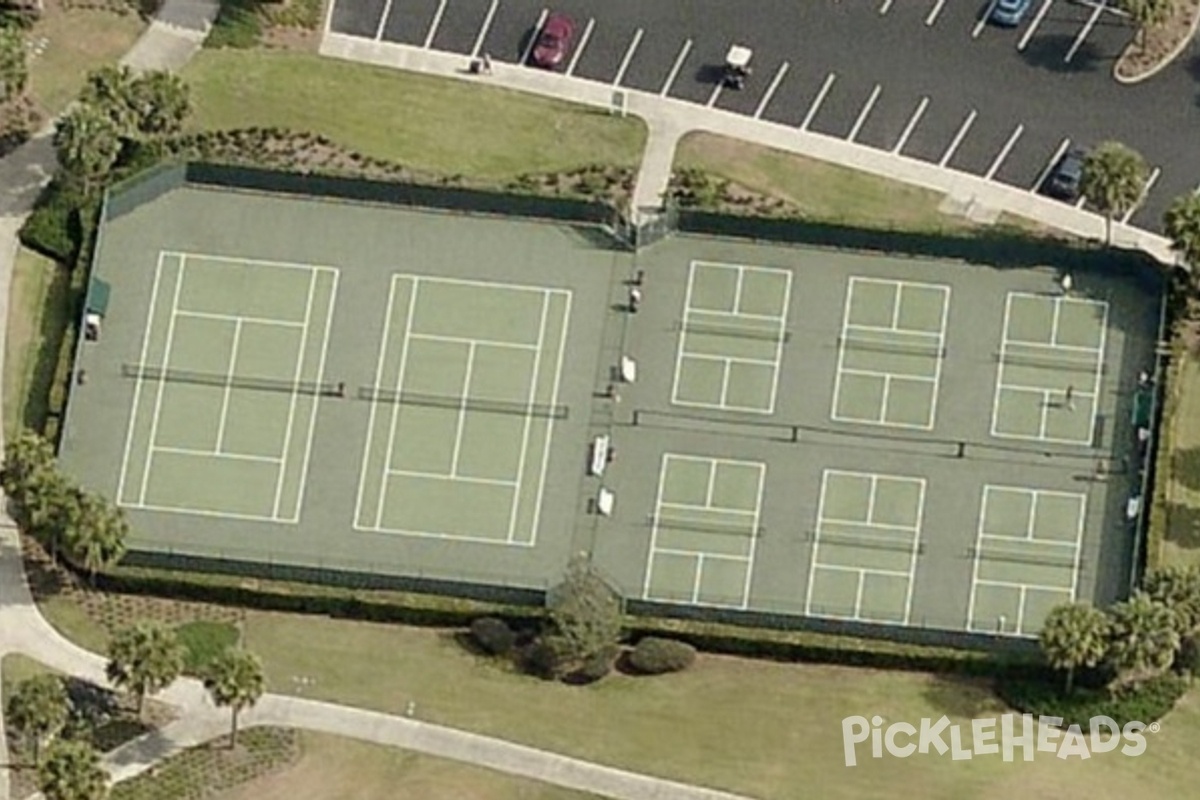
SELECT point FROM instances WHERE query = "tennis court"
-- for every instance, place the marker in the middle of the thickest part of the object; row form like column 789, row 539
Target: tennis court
column 1026, row 557
column 704, row 529
column 203, row 435
column 463, row 409
column 731, row 337
column 1051, row 363
column 865, row 547
column 890, row 353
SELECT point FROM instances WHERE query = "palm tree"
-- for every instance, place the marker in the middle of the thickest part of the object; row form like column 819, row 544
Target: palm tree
column 1143, row 636
column 27, row 458
column 109, row 90
column 1074, row 635
column 96, row 539
column 1182, row 223
column 160, row 103
column 38, row 710
column 72, row 771
column 1178, row 588
column 144, row 659
column 14, row 63
column 1114, row 178
column 235, row 680
column 87, row 143
column 1145, row 13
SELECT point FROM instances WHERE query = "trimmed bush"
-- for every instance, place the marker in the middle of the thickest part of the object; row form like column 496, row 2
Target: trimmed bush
column 1187, row 660
column 53, row 228
column 546, row 657
column 1143, row 702
column 493, row 635
column 594, row 667
column 655, row 656
column 202, row 642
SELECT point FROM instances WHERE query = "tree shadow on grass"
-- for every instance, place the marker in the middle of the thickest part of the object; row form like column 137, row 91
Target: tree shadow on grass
column 959, row 696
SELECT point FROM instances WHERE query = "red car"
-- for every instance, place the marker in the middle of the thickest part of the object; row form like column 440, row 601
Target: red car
column 553, row 41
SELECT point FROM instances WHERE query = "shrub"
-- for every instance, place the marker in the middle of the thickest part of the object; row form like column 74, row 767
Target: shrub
column 546, row 656
column 654, row 656
column 1143, row 702
column 594, row 667
column 1187, row 660
column 53, row 227
column 202, row 642
column 493, row 635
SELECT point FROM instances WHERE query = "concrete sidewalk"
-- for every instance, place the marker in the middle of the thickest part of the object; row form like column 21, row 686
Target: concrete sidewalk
column 665, row 116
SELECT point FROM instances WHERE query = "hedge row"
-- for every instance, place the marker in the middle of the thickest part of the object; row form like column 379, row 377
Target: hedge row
column 1144, row 702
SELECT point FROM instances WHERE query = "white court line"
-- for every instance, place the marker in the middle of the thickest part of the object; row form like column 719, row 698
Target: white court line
column 890, row 573
column 513, row 287
column 204, row 512
column 662, row 479
column 184, row 451
column 820, row 98
column 725, row 383
column 440, row 476
column 916, row 551
column 487, row 23
column 676, row 551
column 312, row 417
column 387, row 9
column 710, row 506
column 683, row 332
column 453, row 537
column 1099, row 369
column 762, row 362
column 958, row 137
column 391, row 440
column 229, row 373
column 1004, row 151
column 933, row 14
column 462, row 411
column 137, row 387
column 558, row 371
column 886, row 376
column 166, row 360
column 1027, row 539
column 583, row 40
column 762, row 473
column 1142, row 197
column 766, row 98
column 937, row 370
column 1033, row 26
column 892, row 333
column 260, row 262
column 439, row 337
column 887, row 5
column 841, row 360
column 383, row 348
column 720, row 312
column 978, row 548
column 1040, row 587
column 1001, row 362
column 1054, row 159
column 535, row 381
column 912, row 123
column 637, row 37
column 537, row 32
column 862, row 115
column 433, row 25
column 787, row 299
column 1048, row 346
column 983, row 21
column 1083, row 32
column 687, row 46
column 283, row 323
column 297, row 372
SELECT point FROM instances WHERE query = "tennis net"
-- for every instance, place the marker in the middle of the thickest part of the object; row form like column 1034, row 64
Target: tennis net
column 737, row 331
column 376, row 395
column 903, row 348
column 679, row 524
column 995, row 553
column 1086, row 367
column 150, row 372
column 868, row 540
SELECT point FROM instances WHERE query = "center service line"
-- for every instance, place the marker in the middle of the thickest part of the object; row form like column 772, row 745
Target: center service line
column 433, row 26
column 862, row 115
column 637, row 37
column 1033, row 26
column 537, row 31
column 983, row 21
column 820, row 98
column 687, row 46
column 1004, row 151
column 912, row 123
column 583, row 40
column 1083, row 33
column 766, row 98
column 487, row 23
column 958, row 137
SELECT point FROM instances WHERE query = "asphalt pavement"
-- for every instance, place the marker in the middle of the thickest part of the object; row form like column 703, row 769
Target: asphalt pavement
column 923, row 78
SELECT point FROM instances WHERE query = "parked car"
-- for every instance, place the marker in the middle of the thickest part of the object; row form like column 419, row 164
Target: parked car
column 1009, row 13
column 553, row 41
column 1063, row 181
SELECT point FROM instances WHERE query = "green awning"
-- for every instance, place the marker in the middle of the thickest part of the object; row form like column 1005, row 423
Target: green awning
column 97, row 298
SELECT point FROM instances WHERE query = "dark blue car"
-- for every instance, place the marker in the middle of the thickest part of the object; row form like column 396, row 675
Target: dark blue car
column 1009, row 13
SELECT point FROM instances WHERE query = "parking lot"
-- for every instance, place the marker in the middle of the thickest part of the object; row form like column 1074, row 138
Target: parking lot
column 921, row 78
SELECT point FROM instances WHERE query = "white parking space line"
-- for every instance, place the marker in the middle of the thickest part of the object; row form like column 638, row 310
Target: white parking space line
column 1079, row 203
column 683, row 52
column 983, row 21
column 537, row 31
column 487, row 23
column 886, row 7
column 387, row 9
column 1083, row 33
column 715, row 93
column 912, row 123
column 1033, row 26
column 958, row 137
column 820, row 98
column 766, row 98
column 433, row 26
column 1045, row 173
column 637, row 38
column 933, row 14
column 1004, row 151
column 1145, row 191
column 866, row 110
column 583, row 40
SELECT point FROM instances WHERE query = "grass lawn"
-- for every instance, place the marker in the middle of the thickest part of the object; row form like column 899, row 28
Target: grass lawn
column 78, row 41
column 332, row 766
column 17, row 668
column 38, row 299
column 430, row 124
column 1185, row 435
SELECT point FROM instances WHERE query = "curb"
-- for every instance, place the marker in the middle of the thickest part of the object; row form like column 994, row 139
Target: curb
column 1161, row 65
